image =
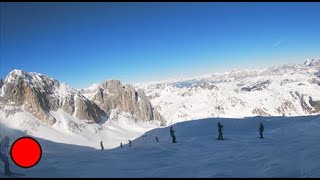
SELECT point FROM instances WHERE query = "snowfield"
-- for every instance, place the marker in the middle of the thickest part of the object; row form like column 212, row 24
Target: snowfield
column 290, row 149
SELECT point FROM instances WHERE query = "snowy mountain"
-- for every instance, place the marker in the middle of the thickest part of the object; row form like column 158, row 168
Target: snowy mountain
column 312, row 62
column 39, row 94
column 290, row 89
column 42, row 106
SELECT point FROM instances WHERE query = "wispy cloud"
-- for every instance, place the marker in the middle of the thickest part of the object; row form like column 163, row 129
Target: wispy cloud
column 277, row 43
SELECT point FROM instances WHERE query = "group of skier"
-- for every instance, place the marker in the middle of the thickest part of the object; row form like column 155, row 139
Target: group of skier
column 220, row 136
column 102, row 147
column 220, row 128
column 4, row 145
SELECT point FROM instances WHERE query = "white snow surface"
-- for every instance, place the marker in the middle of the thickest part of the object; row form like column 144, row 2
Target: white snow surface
column 68, row 129
column 290, row 149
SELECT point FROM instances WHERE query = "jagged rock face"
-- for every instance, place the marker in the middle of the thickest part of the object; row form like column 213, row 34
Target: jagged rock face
column 1, row 83
column 286, row 106
column 260, row 112
column 68, row 104
column 39, row 94
column 257, row 87
column 203, row 85
column 113, row 95
column 22, row 93
column 314, row 104
column 87, row 110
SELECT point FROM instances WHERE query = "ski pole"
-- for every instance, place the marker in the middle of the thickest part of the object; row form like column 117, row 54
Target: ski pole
column 14, row 170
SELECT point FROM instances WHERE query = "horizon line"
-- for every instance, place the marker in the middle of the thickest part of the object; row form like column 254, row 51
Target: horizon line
column 173, row 79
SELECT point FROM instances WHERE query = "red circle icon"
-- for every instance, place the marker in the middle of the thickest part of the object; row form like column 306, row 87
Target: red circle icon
column 26, row 152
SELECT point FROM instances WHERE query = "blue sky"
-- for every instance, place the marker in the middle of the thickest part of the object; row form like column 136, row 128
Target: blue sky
column 84, row 43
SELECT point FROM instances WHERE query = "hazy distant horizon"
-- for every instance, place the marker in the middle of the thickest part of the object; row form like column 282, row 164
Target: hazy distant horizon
column 184, row 77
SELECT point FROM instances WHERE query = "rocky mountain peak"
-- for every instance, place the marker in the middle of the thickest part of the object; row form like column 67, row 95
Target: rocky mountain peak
column 112, row 94
column 40, row 94
column 312, row 62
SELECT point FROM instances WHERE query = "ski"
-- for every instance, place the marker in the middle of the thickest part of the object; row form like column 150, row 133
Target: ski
column 15, row 175
column 19, row 174
column 223, row 139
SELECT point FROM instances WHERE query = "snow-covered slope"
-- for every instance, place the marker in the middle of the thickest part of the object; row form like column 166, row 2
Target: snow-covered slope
column 290, row 149
column 70, row 130
column 292, row 89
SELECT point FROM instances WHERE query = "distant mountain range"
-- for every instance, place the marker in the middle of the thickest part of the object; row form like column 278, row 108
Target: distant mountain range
column 42, row 106
column 286, row 90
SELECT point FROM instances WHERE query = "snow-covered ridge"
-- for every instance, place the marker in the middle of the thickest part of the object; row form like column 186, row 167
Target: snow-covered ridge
column 29, row 77
column 289, row 89
column 39, row 80
column 312, row 62
column 245, row 73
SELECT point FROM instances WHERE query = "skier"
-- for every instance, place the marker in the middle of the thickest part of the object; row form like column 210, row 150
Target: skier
column 4, row 145
column 101, row 144
column 261, row 129
column 121, row 145
column 172, row 135
column 130, row 145
column 157, row 139
column 220, row 126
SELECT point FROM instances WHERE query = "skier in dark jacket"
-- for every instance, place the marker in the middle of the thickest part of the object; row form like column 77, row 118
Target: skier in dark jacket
column 121, row 145
column 172, row 135
column 130, row 145
column 261, row 129
column 157, row 139
column 220, row 126
column 4, row 152
column 101, row 144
